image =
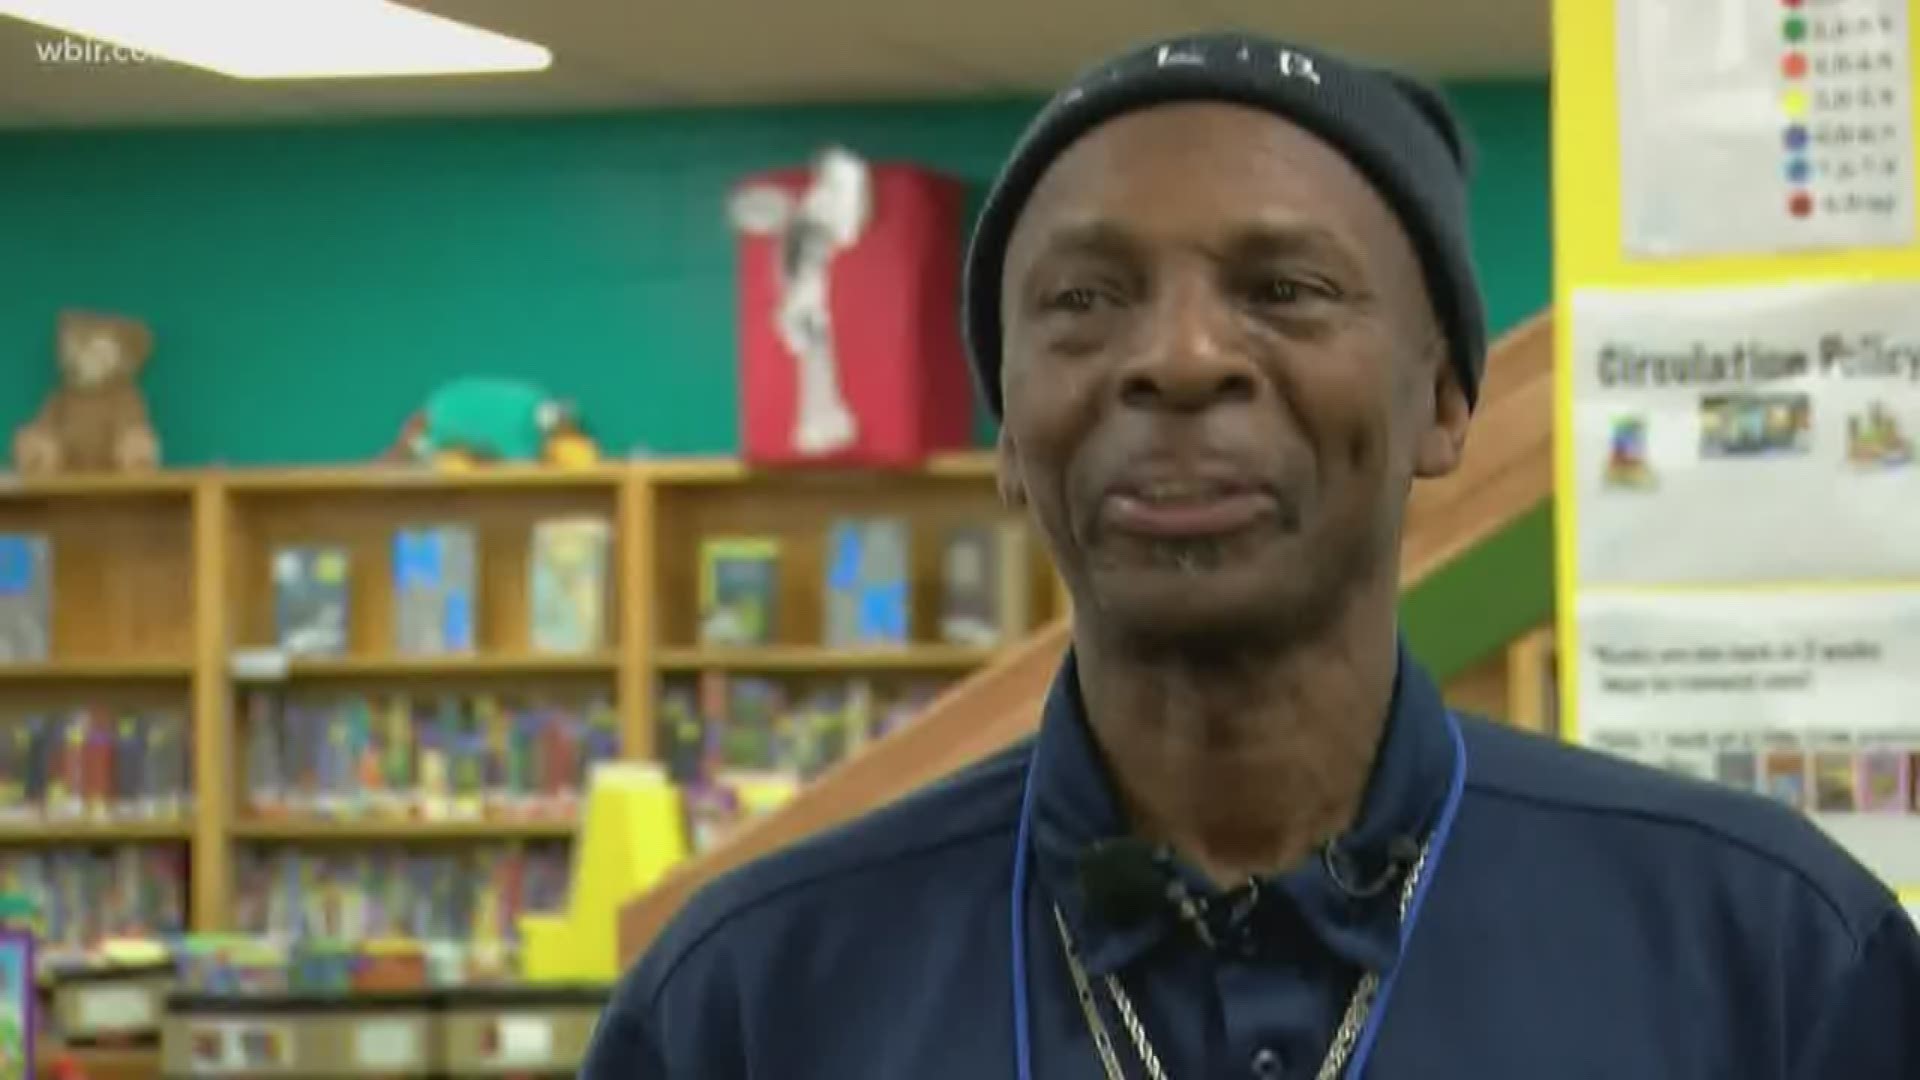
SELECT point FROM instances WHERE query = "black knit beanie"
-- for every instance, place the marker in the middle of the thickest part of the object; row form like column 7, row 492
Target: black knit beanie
column 1398, row 132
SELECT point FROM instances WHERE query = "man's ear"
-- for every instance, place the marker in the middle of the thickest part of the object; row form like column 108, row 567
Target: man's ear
column 1444, row 437
column 1013, row 489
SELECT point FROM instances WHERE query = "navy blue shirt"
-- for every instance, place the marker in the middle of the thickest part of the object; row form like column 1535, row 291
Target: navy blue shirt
column 1587, row 918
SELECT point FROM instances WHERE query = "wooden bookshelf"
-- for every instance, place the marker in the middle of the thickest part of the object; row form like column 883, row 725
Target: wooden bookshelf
column 1515, row 685
column 163, row 596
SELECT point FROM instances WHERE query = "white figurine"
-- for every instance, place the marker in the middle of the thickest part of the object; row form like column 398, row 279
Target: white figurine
column 826, row 220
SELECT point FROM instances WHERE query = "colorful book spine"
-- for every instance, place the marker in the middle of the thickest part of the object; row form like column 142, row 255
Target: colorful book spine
column 97, row 764
column 471, row 896
column 423, row 758
column 752, row 725
column 83, row 896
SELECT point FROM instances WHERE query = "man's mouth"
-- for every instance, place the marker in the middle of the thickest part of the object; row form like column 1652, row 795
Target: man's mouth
column 1185, row 507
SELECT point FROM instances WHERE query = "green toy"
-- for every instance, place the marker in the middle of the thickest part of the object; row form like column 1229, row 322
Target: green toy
column 485, row 419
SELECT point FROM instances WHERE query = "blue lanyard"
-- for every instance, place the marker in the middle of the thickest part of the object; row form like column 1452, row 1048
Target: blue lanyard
column 1363, row 1047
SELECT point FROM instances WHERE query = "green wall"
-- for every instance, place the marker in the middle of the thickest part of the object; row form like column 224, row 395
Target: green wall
column 308, row 285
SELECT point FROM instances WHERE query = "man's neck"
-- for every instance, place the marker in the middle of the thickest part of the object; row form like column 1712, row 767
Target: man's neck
column 1247, row 767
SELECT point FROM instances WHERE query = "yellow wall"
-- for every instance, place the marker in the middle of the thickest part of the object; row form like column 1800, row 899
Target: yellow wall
column 1588, row 252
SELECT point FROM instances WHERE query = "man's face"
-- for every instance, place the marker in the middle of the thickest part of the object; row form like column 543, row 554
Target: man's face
column 1222, row 373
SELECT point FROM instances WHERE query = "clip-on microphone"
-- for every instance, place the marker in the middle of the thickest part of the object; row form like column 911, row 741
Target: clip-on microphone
column 1346, row 872
column 1128, row 881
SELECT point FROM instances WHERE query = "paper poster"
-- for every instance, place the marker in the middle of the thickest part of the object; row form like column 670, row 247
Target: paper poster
column 1760, row 126
column 1747, row 435
column 1809, row 698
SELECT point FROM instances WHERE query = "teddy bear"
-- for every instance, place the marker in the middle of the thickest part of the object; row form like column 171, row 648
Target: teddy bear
column 96, row 418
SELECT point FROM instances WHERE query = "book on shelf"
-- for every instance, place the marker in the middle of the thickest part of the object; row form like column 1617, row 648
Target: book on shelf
column 422, row 757
column 568, row 565
column 81, row 896
column 986, row 575
column 463, row 904
column 26, row 598
column 96, row 764
column 735, row 743
column 434, row 569
column 739, row 590
column 868, row 586
column 311, row 589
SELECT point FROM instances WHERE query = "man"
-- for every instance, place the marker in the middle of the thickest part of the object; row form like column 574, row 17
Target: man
column 1222, row 302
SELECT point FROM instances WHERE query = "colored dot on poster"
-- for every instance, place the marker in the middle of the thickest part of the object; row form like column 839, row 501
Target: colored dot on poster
column 1795, row 103
column 1795, row 28
column 1796, row 137
column 1800, row 204
column 1794, row 66
column 1798, row 171
column 1791, row 3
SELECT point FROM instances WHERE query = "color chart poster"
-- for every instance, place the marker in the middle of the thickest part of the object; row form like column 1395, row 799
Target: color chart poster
column 1746, row 435
column 1751, row 127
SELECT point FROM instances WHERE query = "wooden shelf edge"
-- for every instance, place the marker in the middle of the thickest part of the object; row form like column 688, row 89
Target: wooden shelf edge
column 101, row 1062
column 350, row 831
column 827, row 659
column 45, row 832
column 101, row 668
column 347, row 667
column 375, row 478
column 139, row 485
column 956, row 464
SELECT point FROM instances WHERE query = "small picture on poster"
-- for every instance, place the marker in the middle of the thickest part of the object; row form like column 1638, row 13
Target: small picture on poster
column 1750, row 425
column 1787, row 778
column 1833, row 783
column 1876, row 438
column 17, row 1005
column 1738, row 769
column 1884, row 782
column 1627, row 466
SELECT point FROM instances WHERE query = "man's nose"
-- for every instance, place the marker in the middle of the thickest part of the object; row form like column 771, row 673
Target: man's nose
column 1187, row 361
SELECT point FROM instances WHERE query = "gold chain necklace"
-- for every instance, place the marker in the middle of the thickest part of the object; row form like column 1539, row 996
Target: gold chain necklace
column 1359, row 1006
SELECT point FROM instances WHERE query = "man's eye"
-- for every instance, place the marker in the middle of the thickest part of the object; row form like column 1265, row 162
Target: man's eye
column 1281, row 291
column 1074, row 299
column 1277, row 291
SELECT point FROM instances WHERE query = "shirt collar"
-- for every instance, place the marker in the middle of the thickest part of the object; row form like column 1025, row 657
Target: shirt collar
column 1347, row 900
